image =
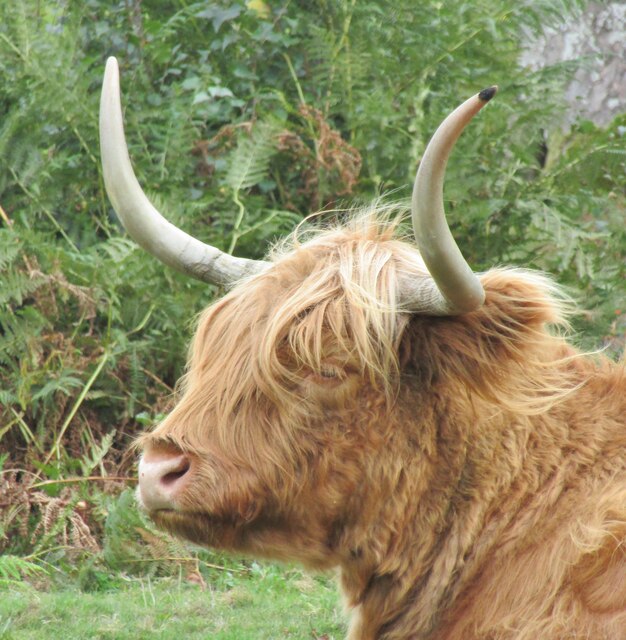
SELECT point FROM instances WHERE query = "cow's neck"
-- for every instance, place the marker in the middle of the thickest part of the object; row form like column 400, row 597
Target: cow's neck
column 450, row 502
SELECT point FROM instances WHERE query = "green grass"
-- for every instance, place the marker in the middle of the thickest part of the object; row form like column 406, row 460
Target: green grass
column 267, row 602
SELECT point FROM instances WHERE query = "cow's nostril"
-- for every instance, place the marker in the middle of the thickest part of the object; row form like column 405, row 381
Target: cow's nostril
column 173, row 476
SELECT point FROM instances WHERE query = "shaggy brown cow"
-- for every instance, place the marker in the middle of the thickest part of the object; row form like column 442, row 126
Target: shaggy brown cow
column 419, row 427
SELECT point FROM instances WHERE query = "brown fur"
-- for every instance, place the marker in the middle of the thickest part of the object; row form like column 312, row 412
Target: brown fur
column 467, row 475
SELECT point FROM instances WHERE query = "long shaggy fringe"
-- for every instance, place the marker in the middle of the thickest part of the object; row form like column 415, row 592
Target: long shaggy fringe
column 327, row 303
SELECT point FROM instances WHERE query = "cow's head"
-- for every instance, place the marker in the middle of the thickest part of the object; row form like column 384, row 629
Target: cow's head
column 292, row 375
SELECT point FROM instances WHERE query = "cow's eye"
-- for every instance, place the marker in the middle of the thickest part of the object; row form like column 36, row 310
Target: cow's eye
column 330, row 385
column 327, row 373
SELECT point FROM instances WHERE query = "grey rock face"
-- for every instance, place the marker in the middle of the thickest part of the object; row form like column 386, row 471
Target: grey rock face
column 597, row 39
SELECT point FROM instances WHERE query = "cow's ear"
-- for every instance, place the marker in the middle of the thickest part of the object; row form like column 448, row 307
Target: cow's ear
column 520, row 298
column 504, row 351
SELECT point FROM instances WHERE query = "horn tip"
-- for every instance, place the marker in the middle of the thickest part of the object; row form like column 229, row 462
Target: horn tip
column 486, row 94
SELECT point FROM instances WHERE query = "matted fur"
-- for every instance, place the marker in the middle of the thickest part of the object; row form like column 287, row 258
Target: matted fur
column 467, row 475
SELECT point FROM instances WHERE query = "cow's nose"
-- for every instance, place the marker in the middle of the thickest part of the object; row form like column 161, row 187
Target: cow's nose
column 161, row 477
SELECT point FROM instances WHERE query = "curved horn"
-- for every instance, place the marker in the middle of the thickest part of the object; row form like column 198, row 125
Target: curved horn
column 141, row 220
column 459, row 289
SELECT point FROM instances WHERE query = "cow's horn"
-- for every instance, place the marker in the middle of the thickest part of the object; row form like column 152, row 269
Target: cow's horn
column 459, row 289
column 141, row 220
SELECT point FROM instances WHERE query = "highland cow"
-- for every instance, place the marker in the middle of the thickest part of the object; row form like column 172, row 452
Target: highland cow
column 357, row 403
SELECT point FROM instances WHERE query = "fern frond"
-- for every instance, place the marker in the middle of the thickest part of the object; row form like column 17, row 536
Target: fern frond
column 63, row 383
column 14, row 569
column 338, row 65
column 9, row 247
column 250, row 160
column 96, row 453
column 7, row 397
column 16, row 286
column 117, row 248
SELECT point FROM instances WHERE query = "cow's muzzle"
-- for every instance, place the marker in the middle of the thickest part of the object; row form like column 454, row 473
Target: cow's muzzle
column 162, row 477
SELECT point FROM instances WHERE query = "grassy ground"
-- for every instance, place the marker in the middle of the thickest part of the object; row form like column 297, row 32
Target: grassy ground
column 267, row 602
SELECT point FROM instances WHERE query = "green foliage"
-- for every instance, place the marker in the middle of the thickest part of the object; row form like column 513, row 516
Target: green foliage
column 241, row 121
column 14, row 569
column 134, row 546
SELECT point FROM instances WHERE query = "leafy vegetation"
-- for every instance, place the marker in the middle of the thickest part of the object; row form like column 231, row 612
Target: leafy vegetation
column 243, row 118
